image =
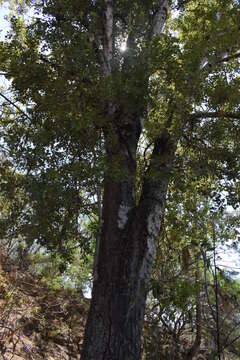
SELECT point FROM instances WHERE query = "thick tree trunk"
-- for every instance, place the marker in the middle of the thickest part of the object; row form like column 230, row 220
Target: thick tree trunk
column 127, row 248
column 129, row 231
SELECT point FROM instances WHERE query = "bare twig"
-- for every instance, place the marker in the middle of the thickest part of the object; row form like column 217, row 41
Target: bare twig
column 214, row 114
column 16, row 106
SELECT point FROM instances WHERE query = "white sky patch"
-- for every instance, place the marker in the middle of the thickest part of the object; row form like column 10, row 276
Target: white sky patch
column 123, row 45
column 229, row 260
column 5, row 12
column 4, row 26
column 123, row 215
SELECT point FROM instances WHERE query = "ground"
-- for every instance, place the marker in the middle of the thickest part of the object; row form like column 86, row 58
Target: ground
column 35, row 321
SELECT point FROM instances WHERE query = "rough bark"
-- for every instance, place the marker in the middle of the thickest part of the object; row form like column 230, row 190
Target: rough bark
column 160, row 18
column 129, row 231
column 107, row 36
column 126, row 252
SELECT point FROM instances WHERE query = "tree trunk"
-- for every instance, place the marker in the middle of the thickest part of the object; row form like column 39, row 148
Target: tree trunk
column 129, row 231
column 127, row 247
column 197, row 342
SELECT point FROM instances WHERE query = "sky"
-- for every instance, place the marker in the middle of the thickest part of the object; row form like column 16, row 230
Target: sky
column 3, row 23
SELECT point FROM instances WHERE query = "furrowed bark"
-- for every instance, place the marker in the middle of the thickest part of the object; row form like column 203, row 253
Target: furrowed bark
column 108, row 36
column 160, row 18
column 129, row 232
column 126, row 253
column 106, row 336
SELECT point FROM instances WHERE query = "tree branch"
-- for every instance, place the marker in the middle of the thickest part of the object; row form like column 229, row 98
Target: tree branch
column 108, row 35
column 160, row 18
column 219, row 61
column 214, row 114
column 16, row 106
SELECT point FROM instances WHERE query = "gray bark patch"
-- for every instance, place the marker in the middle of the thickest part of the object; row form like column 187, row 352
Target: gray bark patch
column 123, row 215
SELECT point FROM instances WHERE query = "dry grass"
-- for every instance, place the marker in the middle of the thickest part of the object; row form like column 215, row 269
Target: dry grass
column 36, row 322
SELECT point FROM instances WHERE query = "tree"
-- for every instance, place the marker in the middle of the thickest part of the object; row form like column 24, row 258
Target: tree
column 183, row 317
column 88, row 108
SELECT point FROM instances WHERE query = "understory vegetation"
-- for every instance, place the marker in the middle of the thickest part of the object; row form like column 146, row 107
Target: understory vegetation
column 192, row 306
